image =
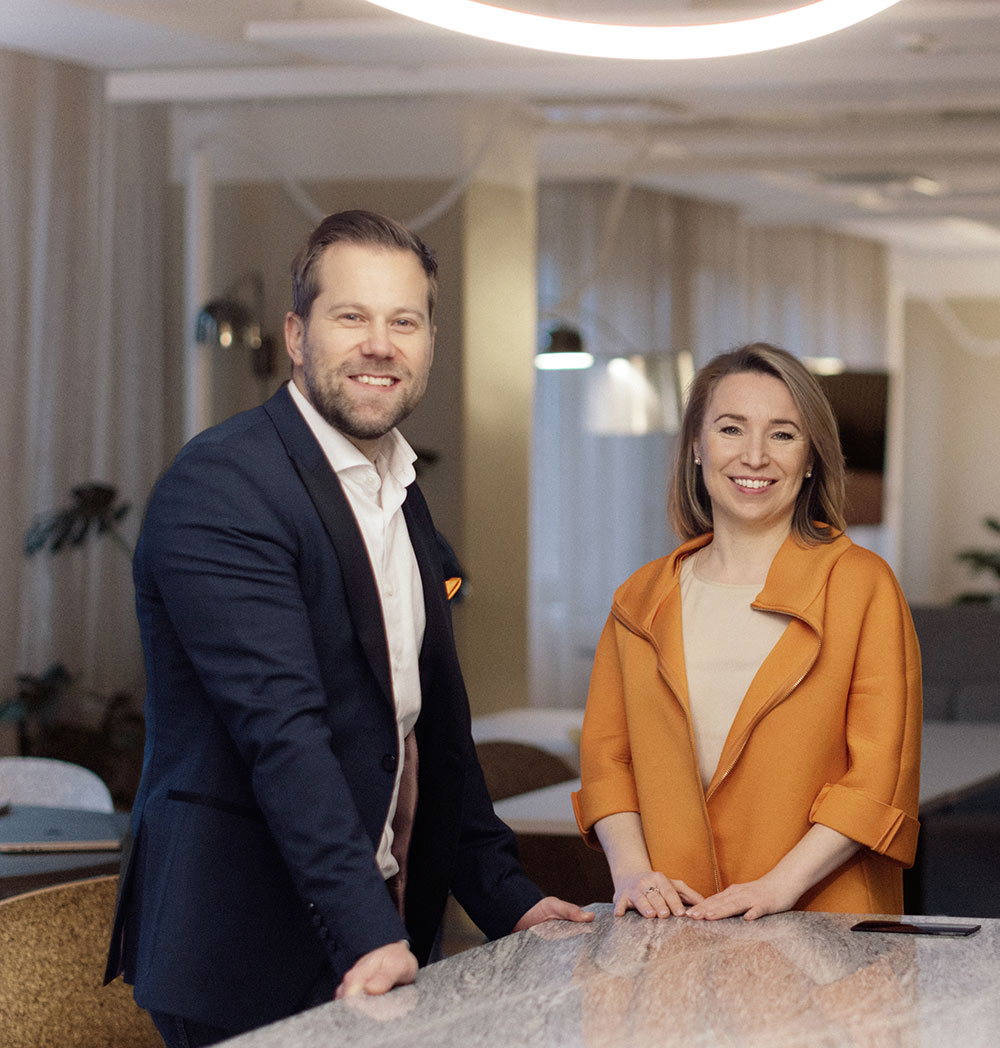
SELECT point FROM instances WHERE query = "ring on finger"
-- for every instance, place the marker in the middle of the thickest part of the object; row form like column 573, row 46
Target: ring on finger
column 646, row 891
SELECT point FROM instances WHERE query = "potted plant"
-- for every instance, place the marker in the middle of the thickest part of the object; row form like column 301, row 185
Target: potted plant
column 982, row 560
column 111, row 741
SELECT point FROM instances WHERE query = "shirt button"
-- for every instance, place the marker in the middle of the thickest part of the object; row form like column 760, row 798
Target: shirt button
column 389, row 762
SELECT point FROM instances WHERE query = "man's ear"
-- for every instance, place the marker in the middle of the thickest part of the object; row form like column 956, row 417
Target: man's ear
column 295, row 330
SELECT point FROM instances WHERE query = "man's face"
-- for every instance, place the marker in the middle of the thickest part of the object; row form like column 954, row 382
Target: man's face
column 363, row 355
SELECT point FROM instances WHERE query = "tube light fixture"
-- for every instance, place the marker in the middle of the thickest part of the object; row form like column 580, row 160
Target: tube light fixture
column 599, row 40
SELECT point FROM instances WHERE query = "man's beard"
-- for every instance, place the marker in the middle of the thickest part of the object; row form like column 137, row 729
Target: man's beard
column 337, row 409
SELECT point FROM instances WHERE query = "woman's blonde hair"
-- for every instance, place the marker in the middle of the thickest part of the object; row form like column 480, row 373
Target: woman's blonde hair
column 820, row 499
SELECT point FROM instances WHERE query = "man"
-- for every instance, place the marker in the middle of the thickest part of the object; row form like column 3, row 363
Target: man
column 310, row 792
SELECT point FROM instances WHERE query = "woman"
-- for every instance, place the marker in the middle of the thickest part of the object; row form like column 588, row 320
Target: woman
column 752, row 736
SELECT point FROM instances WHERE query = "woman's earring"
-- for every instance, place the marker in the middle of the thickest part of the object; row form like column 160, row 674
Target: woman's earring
column 697, row 461
column 809, row 473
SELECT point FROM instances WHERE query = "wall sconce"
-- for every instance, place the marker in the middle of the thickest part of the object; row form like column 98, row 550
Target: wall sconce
column 564, row 352
column 229, row 322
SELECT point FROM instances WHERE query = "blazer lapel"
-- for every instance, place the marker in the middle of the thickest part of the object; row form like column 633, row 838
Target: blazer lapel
column 430, row 560
column 335, row 512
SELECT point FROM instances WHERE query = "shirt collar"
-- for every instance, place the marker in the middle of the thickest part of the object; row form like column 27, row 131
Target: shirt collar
column 394, row 455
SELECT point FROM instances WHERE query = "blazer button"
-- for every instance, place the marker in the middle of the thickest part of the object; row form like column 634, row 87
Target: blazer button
column 389, row 762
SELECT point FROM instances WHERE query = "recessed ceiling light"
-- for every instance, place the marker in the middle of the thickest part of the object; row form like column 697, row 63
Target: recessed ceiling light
column 599, row 40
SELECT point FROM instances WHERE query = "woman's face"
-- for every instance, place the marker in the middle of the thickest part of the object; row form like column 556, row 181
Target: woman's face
column 754, row 453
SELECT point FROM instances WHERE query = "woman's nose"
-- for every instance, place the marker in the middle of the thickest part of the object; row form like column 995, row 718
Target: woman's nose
column 755, row 451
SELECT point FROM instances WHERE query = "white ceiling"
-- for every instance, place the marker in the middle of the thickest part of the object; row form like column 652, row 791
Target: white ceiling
column 890, row 128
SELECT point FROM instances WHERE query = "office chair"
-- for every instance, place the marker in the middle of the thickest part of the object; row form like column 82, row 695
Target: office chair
column 52, row 783
column 53, row 947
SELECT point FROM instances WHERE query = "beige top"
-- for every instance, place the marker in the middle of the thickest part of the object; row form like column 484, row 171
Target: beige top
column 725, row 642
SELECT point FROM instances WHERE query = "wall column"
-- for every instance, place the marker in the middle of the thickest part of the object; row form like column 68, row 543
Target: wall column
column 198, row 232
column 498, row 347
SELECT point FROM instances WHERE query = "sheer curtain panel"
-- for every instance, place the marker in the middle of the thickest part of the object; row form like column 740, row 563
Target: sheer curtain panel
column 81, row 320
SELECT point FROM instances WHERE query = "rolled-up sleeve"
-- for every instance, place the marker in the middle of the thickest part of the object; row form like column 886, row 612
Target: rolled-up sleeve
column 608, row 785
column 876, row 801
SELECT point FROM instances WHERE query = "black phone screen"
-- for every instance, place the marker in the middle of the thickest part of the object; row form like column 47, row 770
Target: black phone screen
column 915, row 928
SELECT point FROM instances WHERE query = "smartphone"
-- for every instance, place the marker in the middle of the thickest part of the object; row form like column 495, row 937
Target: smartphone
column 915, row 928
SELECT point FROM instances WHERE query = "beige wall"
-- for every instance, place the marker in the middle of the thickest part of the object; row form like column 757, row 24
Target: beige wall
column 500, row 308
column 951, row 452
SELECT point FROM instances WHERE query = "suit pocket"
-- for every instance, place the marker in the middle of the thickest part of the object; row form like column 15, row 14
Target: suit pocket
column 218, row 803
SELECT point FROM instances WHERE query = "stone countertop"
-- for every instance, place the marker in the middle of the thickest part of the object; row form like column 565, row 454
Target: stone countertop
column 784, row 981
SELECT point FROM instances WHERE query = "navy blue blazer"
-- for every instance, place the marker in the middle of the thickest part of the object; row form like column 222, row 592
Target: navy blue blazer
column 271, row 744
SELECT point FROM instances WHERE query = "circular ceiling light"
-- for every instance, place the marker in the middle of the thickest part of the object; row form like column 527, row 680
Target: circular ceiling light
column 599, row 40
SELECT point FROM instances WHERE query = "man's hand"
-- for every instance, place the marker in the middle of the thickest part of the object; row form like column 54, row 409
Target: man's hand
column 379, row 971
column 552, row 909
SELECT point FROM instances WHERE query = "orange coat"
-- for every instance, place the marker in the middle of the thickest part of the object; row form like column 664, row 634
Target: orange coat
column 828, row 732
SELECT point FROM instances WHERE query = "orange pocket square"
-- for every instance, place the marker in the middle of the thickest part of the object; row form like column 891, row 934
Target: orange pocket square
column 452, row 586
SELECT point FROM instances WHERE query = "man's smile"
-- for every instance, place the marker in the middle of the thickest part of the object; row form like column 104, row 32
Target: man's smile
column 375, row 380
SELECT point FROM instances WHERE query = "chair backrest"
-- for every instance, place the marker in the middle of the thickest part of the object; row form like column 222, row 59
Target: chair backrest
column 517, row 767
column 53, row 948
column 960, row 657
column 52, row 784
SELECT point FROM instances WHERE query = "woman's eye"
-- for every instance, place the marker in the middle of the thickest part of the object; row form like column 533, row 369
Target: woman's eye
column 730, row 431
column 782, row 435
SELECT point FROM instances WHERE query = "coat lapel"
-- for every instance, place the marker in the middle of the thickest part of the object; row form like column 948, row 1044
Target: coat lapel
column 795, row 586
column 430, row 560
column 335, row 512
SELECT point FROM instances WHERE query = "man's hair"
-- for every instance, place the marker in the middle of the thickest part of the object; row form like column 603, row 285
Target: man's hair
column 355, row 227
column 821, row 497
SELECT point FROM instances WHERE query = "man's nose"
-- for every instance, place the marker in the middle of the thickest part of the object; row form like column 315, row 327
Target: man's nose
column 379, row 341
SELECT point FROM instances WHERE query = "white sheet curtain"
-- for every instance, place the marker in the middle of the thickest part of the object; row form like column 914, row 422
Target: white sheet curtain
column 679, row 275
column 813, row 291
column 82, row 188
column 598, row 500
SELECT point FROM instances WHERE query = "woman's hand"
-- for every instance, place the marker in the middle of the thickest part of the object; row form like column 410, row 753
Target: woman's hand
column 653, row 895
column 753, row 899
column 637, row 886
column 820, row 852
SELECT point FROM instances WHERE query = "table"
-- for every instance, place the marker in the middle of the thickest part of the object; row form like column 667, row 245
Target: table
column 785, row 981
column 21, row 873
column 554, row 730
column 957, row 757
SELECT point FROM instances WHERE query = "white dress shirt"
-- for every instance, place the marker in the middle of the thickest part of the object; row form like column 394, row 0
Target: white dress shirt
column 376, row 491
